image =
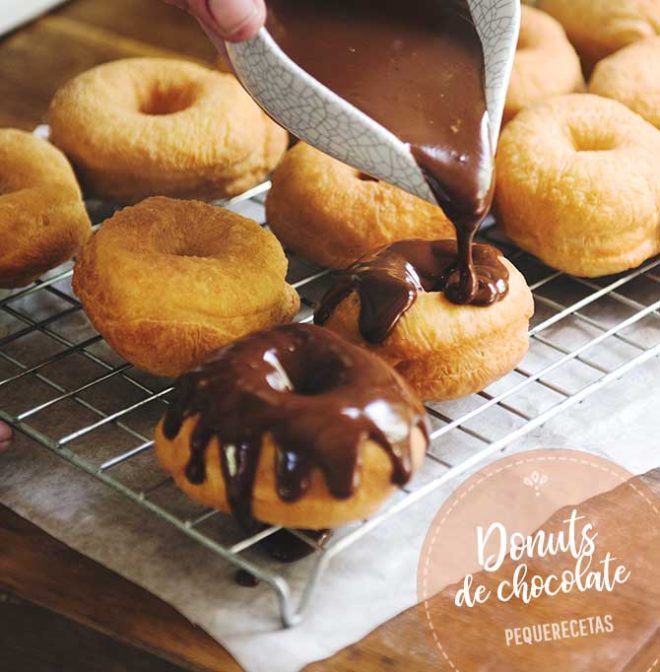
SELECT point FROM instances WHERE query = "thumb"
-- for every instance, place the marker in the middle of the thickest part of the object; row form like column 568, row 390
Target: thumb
column 232, row 20
column 6, row 435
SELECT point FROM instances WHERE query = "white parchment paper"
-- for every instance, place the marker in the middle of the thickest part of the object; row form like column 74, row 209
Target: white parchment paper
column 369, row 584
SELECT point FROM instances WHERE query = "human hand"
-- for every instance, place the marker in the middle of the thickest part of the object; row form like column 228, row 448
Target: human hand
column 6, row 436
column 231, row 20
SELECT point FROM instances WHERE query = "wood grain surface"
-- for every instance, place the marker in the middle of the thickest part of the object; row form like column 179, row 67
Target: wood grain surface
column 38, row 568
column 38, row 58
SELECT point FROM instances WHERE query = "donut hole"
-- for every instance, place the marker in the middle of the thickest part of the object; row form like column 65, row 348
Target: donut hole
column 317, row 382
column 316, row 373
column 168, row 100
column 196, row 242
column 592, row 141
column 187, row 248
column 193, row 252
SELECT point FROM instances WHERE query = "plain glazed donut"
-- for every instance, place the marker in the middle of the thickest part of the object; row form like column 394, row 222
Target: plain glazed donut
column 545, row 65
column 332, row 214
column 442, row 349
column 292, row 427
column 579, row 185
column 597, row 28
column 153, row 126
column 43, row 221
column 167, row 282
column 632, row 76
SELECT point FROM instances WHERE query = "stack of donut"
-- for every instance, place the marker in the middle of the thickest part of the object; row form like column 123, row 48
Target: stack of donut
column 168, row 281
column 315, row 426
column 150, row 279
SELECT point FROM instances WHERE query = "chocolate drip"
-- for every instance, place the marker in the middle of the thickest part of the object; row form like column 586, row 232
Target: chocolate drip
column 285, row 547
column 388, row 282
column 318, row 397
column 246, row 579
column 416, row 67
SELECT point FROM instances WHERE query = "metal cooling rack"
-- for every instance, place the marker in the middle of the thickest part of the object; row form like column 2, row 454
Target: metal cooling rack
column 61, row 385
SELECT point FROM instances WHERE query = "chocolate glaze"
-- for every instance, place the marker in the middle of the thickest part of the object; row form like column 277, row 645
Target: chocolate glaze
column 316, row 395
column 246, row 579
column 285, row 547
column 388, row 282
column 416, row 67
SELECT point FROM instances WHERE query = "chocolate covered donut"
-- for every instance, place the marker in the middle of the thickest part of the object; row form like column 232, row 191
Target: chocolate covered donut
column 398, row 304
column 292, row 426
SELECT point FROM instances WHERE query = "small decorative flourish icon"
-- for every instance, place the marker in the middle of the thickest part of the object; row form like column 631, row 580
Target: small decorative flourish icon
column 536, row 481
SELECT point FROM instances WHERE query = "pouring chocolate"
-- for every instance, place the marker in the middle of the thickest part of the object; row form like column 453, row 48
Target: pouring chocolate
column 417, row 68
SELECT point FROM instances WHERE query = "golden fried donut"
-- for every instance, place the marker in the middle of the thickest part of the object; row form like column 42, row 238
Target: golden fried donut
column 632, row 76
column 154, row 126
column 332, row 214
column 167, row 282
column 545, row 65
column 579, row 185
column 292, row 427
column 43, row 220
column 598, row 28
column 443, row 350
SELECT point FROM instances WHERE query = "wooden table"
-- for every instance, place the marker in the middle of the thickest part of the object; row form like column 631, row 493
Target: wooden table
column 34, row 62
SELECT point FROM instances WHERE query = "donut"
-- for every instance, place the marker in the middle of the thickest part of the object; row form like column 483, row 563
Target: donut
column 43, row 221
column 331, row 214
column 293, row 427
column 579, row 185
column 393, row 304
column 167, row 282
column 598, row 28
column 545, row 64
column 154, row 126
column 632, row 76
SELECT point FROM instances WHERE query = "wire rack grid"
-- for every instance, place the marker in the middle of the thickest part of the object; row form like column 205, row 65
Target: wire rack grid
column 62, row 385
